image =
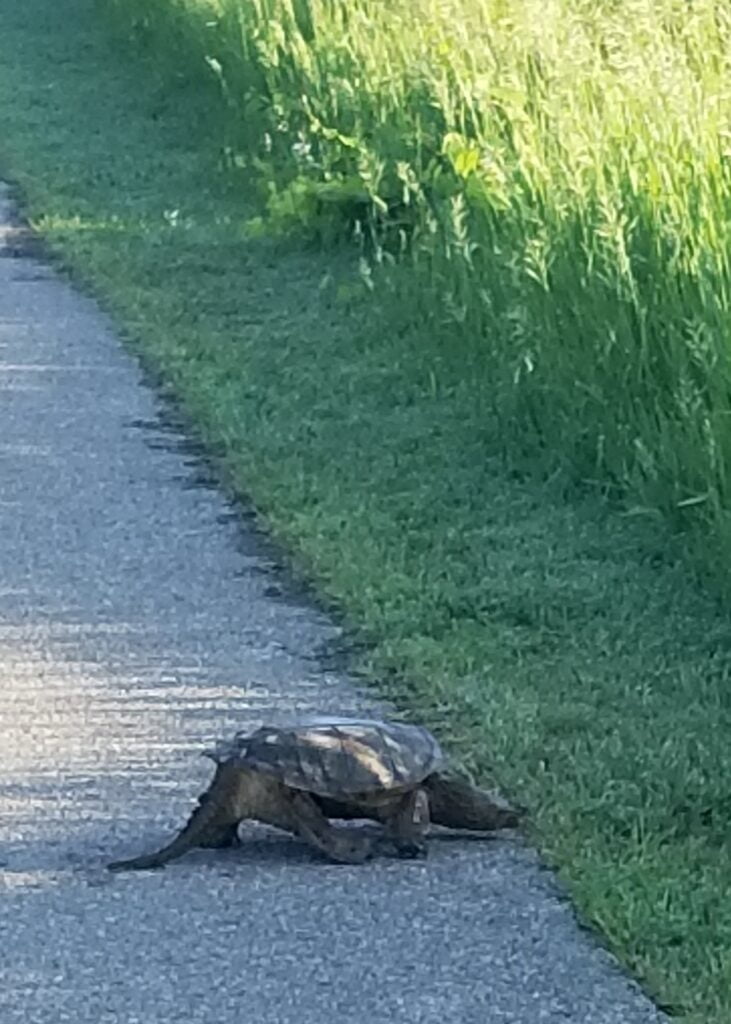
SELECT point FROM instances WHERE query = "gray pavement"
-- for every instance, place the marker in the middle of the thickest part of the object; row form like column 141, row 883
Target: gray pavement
column 138, row 621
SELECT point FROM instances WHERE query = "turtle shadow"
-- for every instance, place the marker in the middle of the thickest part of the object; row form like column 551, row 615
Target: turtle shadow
column 258, row 852
column 274, row 849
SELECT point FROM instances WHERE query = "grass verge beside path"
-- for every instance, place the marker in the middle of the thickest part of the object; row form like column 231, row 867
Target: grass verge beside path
column 557, row 646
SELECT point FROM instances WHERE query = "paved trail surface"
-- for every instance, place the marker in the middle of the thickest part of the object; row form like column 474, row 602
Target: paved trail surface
column 137, row 622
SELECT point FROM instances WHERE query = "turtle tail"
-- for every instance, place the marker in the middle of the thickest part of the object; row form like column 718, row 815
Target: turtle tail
column 214, row 816
column 456, row 803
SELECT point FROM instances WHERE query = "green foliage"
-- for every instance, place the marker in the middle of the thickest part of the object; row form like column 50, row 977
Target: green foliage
column 559, row 175
column 378, row 412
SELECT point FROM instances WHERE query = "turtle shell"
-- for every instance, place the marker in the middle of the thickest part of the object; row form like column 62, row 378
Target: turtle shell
column 339, row 757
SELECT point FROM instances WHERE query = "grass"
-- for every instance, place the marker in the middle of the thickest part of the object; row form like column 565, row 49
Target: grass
column 559, row 646
column 559, row 173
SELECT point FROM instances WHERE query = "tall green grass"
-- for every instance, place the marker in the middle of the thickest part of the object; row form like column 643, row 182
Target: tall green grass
column 556, row 647
column 555, row 175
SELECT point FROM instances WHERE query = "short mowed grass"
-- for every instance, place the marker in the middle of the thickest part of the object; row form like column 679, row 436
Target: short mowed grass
column 559, row 645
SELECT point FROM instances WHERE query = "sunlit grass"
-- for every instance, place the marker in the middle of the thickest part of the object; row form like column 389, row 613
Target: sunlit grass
column 560, row 172
column 558, row 646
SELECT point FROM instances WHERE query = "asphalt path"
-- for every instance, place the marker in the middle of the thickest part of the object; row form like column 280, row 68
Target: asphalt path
column 140, row 619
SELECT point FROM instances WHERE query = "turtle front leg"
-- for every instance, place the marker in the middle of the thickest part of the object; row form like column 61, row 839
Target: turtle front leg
column 343, row 845
column 407, row 824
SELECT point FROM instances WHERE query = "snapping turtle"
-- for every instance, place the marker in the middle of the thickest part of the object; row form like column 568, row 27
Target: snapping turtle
column 297, row 777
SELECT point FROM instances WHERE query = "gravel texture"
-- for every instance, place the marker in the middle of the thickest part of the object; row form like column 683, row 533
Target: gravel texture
column 139, row 620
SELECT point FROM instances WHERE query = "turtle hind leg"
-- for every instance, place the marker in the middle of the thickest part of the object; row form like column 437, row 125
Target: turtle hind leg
column 216, row 816
column 407, row 825
column 343, row 845
column 221, row 839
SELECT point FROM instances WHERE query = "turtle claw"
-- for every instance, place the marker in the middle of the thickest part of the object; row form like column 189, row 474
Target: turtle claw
column 412, row 851
column 403, row 849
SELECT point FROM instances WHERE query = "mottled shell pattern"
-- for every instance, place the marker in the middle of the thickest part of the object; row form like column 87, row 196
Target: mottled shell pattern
column 337, row 757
